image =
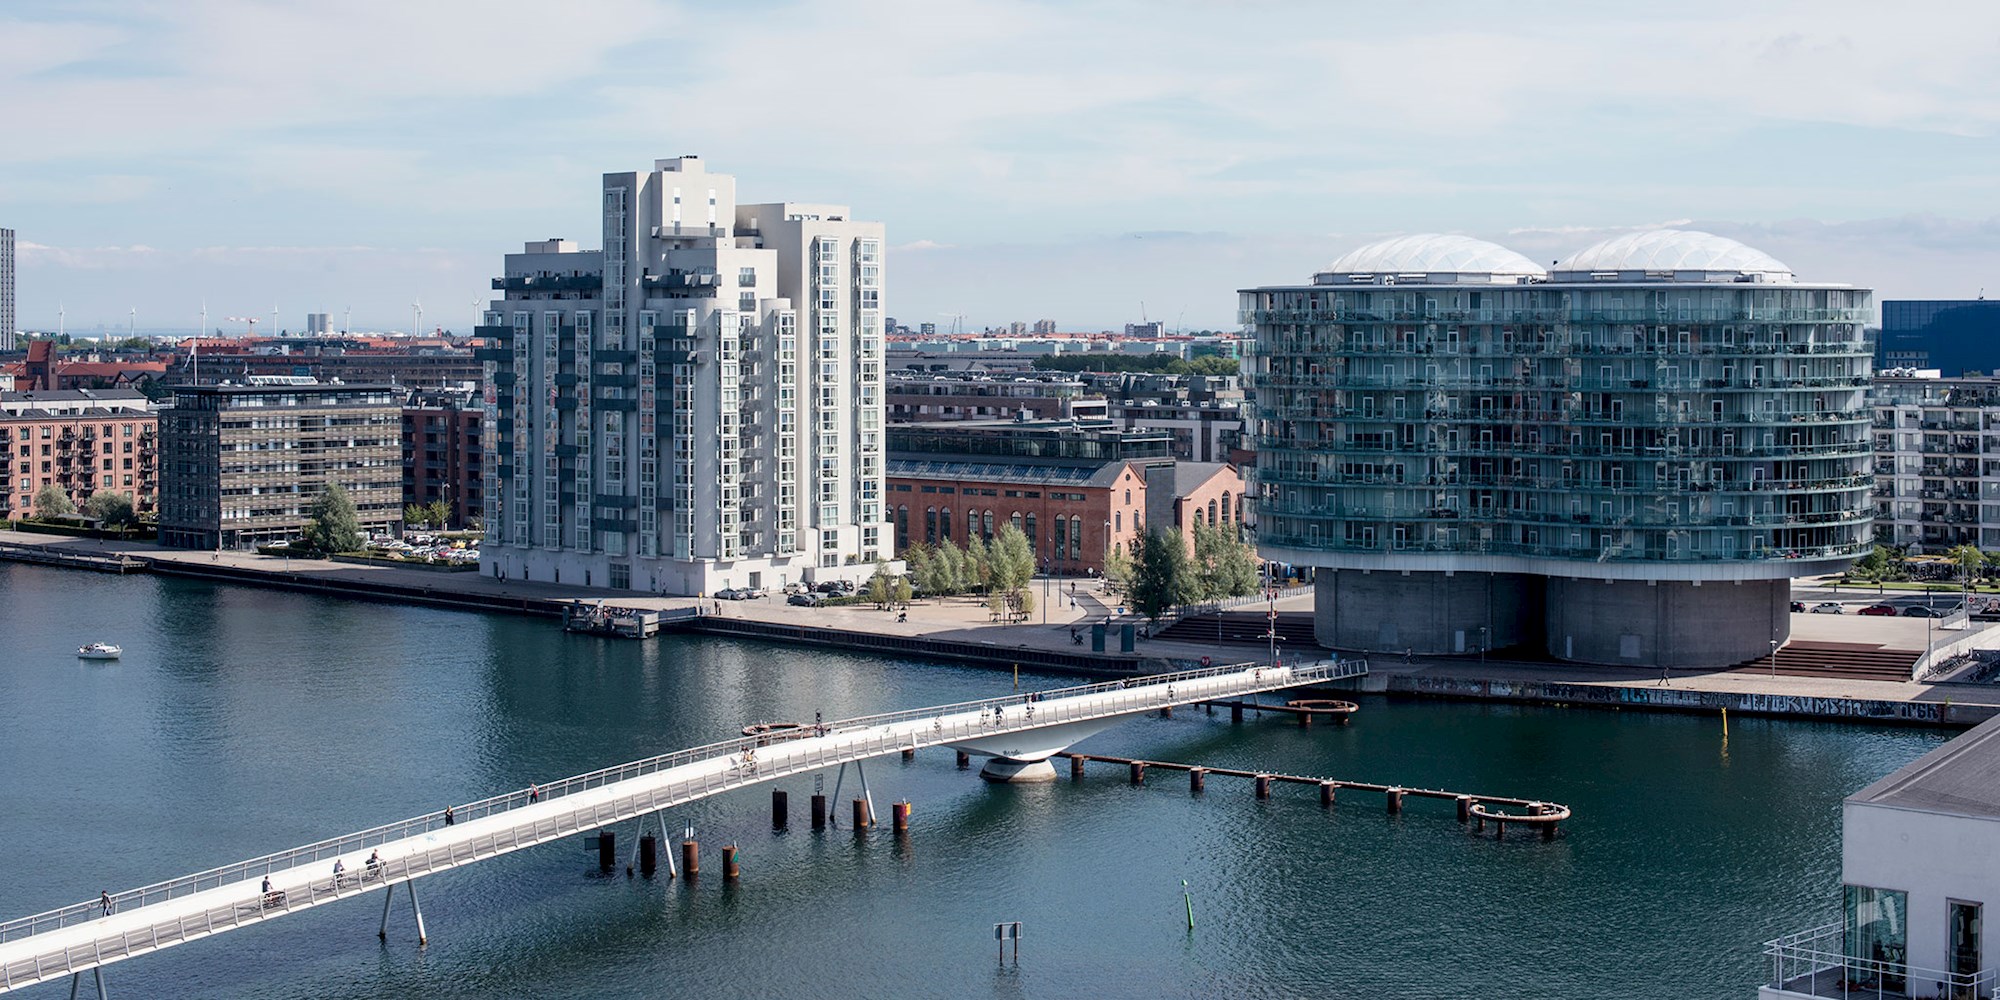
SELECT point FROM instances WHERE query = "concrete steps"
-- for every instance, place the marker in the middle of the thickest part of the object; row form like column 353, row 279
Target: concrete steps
column 1848, row 660
column 1243, row 627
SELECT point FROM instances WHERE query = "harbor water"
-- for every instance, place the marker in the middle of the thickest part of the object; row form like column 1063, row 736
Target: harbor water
column 240, row 721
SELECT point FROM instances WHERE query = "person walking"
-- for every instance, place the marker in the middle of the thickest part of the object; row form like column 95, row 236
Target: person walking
column 447, row 816
column 339, row 872
column 534, row 792
column 104, row 901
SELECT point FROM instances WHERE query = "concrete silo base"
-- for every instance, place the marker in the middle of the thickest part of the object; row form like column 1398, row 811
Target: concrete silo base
column 1429, row 613
column 1668, row 623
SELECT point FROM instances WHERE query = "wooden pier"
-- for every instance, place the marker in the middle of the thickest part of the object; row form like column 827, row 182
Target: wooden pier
column 1483, row 809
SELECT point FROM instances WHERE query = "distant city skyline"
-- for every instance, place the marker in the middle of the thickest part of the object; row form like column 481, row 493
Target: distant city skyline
column 370, row 155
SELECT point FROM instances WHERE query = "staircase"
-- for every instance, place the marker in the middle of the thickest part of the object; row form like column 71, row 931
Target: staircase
column 1859, row 661
column 1244, row 627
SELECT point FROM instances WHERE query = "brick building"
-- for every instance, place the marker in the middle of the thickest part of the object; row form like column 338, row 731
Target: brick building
column 82, row 441
column 441, row 452
column 242, row 464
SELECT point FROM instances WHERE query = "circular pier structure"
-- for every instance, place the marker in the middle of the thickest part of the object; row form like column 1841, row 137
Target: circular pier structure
column 1545, row 816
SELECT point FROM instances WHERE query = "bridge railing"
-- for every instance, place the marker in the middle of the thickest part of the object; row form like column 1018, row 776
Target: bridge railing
column 325, row 850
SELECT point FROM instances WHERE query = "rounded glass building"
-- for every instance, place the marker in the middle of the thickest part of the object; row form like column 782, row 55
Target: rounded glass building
column 1625, row 457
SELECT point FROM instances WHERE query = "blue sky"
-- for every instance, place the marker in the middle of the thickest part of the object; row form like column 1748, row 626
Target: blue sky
column 1053, row 160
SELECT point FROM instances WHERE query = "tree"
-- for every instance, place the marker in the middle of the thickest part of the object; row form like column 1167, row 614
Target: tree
column 1011, row 558
column 1223, row 564
column 922, row 567
column 113, row 510
column 1118, row 567
column 1969, row 562
column 978, row 565
column 879, row 587
column 414, row 516
column 1163, row 577
column 1872, row 567
column 952, row 573
column 901, row 592
column 52, row 501
column 332, row 524
column 437, row 513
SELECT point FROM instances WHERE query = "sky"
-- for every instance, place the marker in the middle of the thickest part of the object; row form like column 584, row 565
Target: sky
column 1077, row 161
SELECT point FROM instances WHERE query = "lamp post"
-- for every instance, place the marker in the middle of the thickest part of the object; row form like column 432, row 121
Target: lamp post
column 1774, row 659
column 1482, row 645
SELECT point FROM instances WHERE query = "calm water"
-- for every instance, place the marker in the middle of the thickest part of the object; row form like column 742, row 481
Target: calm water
column 242, row 721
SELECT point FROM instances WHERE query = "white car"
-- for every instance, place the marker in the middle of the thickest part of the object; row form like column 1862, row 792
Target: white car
column 1826, row 608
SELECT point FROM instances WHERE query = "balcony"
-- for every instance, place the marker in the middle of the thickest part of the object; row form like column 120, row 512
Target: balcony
column 1815, row 963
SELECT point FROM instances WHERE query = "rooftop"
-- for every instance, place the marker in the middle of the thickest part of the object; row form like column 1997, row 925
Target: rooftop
column 1660, row 251
column 1430, row 258
column 1961, row 778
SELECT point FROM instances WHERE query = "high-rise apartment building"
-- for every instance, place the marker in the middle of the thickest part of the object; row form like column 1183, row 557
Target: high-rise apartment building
column 8, row 330
column 697, row 405
column 1937, row 461
column 1624, row 458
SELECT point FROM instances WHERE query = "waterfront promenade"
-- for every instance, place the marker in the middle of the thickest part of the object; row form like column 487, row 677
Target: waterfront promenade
column 966, row 620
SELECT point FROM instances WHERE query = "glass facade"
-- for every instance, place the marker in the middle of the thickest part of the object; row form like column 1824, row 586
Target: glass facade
column 1538, row 426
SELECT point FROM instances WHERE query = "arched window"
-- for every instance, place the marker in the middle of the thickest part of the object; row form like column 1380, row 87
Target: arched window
column 902, row 526
column 930, row 526
column 1225, row 508
column 987, row 533
column 1128, row 498
column 1031, row 534
column 971, row 525
column 1075, row 537
column 1211, row 514
column 1198, row 522
column 944, row 524
column 1017, row 520
column 1061, row 539
column 1118, row 519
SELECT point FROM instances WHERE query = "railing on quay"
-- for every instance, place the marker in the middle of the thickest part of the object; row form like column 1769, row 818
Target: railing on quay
column 1815, row 963
column 950, row 722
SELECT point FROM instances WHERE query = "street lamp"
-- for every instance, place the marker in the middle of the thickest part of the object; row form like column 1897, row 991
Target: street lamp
column 1482, row 645
column 1774, row 659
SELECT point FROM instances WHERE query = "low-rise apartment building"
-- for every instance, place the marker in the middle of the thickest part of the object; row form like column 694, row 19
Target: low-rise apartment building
column 81, row 441
column 242, row 464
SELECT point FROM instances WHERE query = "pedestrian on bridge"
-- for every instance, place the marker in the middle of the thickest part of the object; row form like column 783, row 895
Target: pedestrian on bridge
column 534, row 792
column 448, row 819
column 339, row 872
column 104, row 901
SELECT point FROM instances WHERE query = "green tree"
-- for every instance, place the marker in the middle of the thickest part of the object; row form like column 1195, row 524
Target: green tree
column 978, row 564
column 1872, row 567
column 414, row 516
column 1118, row 567
column 879, row 587
column 1012, row 559
column 1969, row 562
column 901, row 592
column 922, row 564
column 437, row 513
column 1163, row 577
column 114, row 510
column 52, row 501
column 952, row 573
column 1223, row 563
column 332, row 524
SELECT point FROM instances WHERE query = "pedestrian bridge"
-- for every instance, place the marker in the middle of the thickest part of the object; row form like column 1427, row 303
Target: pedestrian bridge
column 1018, row 733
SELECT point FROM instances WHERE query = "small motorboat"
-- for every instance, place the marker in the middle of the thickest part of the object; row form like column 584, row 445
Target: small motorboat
column 99, row 651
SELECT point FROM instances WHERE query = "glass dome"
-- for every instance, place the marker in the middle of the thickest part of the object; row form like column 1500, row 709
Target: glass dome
column 1430, row 257
column 1660, row 250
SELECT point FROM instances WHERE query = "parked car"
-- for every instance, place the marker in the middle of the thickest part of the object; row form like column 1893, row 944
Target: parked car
column 1826, row 608
column 1798, row 607
column 1919, row 611
column 1878, row 610
column 803, row 601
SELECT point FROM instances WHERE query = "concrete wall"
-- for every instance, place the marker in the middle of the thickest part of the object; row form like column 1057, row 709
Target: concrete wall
column 1668, row 623
column 1429, row 613
column 1933, row 858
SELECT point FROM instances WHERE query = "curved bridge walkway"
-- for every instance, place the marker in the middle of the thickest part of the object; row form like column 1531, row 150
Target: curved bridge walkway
column 84, row 936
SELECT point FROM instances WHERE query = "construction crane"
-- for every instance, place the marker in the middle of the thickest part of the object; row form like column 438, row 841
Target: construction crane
column 251, row 320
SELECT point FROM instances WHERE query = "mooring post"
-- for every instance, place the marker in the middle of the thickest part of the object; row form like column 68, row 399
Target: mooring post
column 386, row 897
column 1464, row 808
column 1305, row 719
column 910, row 753
column 607, row 850
column 819, row 812
column 1236, row 711
column 417, row 905
column 899, row 814
column 1326, row 792
column 1076, row 767
column 649, row 855
column 862, row 815
column 730, row 870
column 1138, row 769
column 1394, row 800
column 1262, row 783
column 1197, row 780
column 690, row 859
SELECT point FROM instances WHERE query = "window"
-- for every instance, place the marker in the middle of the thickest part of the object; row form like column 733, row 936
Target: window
column 1876, row 937
column 944, row 524
column 1075, row 537
column 930, row 526
column 987, row 531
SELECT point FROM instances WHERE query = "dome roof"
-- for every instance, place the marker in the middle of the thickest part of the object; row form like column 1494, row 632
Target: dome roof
column 1673, row 250
column 1434, row 254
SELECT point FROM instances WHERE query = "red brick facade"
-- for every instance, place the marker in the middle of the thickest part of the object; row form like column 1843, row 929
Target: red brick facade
column 1092, row 517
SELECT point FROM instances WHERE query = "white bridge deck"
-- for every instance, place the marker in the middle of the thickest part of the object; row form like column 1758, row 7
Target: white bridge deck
column 82, row 937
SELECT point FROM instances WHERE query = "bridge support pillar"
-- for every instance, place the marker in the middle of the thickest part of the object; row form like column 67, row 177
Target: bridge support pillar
column 1006, row 770
column 1138, row 769
column 964, row 760
column 1236, row 712
column 690, row 859
column 780, row 809
column 97, row 976
column 1197, row 780
column 649, row 855
column 1076, row 769
column 417, row 905
column 819, row 812
column 1326, row 792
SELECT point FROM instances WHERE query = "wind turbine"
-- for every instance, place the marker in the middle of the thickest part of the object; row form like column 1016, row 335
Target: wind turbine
column 347, row 321
column 416, row 317
column 274, row 319
column 62, row 321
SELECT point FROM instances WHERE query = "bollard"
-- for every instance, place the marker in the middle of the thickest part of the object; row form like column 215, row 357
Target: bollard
column 861, row 818
column 1236, row 712
column 899, row 817
column 910, row 754
column 1197, row 780
column 1263, row 785
column 690, row 859
column 1305, row 720
column 819, row 812
column 964, row 760
column 730, row 870
column 1076, row 769
column 649, row 855
column 780, row 809
column 607, row 850
column 1138, row 772
column 1326, row 792
column 1395, row 800
column 1464, row 808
